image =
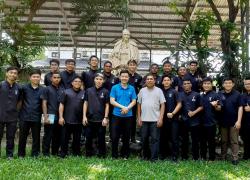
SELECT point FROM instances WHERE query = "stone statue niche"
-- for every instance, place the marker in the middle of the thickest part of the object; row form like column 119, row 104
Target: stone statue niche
column 124, row 50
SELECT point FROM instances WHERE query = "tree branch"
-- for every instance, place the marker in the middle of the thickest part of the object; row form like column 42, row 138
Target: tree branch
column 35, row 5
column 233, row 10
column 215, row 10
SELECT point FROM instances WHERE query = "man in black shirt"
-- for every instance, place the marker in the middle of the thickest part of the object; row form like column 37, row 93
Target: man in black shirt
column 50, row 106
column 109, row 78
column 170, row 128
column 69, row 74
column 54, row 67
column 182, row 71
column 10, row 97
column 191, row 108
column 30, row 114
column 246, row 119
column 109, row 81
column 135, row 81
column 195, row 76
column 211, row 104
column 168, row 70
column 95, row 115
column 88, row 77
column 70, row 116
column 154, row 70
column 230, row 121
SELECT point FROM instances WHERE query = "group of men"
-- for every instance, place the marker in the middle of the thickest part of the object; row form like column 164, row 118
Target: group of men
column 168, row 109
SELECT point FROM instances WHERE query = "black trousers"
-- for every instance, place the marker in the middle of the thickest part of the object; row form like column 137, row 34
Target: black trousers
column 195, row 136
column 93, row 130
column 67, row 131
column 111, row 107
column 184, row 136
column 51, row 138
column 10, row 136
column 150, row 130
column 169, row 138
column 208, row 134
column 121, row 127
column 133, row 123
column 25, row 127
column 246, row 139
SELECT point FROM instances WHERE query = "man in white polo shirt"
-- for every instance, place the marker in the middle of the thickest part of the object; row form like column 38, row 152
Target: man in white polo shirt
column 150, row 117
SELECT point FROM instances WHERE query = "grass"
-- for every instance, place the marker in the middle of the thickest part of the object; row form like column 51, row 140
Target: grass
column 93, row 168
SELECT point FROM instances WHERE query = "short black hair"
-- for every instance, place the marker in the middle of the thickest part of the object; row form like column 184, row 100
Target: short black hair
column 70, row 60
column 57, row 72
column 186, row 79
column 12, row 68
column 54, row 61
column 166, row 62
column 149, row 74
column 247, row 78
column 107, row 62
column 207, row 79
column 154, row 64
column 76, row 77
column 164, row 76
column 181, row 67
column 228, row 79
column 93, row 56
column 132, row 61
column 99, row 75
column 193, row 62
column 124, row 71
column 35, row 71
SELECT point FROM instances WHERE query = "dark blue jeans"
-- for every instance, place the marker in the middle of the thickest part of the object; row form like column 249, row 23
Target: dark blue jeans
column 150, row 129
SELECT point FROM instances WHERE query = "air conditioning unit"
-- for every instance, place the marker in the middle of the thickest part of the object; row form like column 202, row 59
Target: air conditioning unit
column 105, row 56
column 84, row 54
column 78, row 55
column 54, row 54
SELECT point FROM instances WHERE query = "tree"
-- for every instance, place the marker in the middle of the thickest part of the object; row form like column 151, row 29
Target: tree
column 194, row 37
column 26, row 40
column 230, row 37
column 90, row 11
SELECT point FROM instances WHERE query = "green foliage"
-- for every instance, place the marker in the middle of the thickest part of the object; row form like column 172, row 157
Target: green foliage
column 90, row 10
column 26, row 40
column 94, row 168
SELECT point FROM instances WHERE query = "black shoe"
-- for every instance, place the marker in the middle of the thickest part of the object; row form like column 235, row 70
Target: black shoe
column 184, row 158
column 174, row 159
column 235, row 162
column 133, row 140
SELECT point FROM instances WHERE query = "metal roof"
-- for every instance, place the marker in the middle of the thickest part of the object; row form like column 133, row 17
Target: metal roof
column 151, row 19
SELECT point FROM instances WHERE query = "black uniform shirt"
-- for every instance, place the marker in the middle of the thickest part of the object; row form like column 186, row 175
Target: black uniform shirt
column 52, row 95
column 209, row 113
column 97, row 100
column 73, row 105
column 9, row 97
column 190, row 102
column 67, row 78
column 31, row 103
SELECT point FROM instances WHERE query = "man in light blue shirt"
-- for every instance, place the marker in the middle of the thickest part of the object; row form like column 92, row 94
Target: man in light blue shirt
column 123, row 98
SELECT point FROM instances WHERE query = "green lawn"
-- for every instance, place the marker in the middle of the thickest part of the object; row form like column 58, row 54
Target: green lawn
column 94, row 168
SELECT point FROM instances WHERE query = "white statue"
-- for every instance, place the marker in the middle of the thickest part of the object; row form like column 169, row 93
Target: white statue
column 124, row 50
